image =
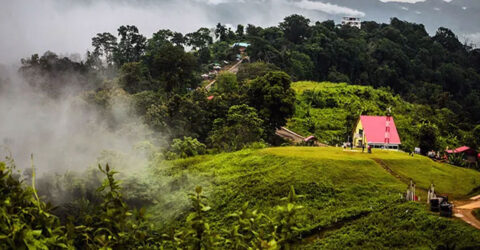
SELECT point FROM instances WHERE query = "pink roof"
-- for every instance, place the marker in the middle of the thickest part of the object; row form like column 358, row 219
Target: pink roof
column 310, row 138
column 458, row 150
column 375, row 129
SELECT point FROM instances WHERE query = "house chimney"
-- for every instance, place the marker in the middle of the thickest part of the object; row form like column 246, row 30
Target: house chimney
column 387, row 126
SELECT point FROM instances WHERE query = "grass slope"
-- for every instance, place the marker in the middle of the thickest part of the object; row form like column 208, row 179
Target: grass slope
column 339, row 186
column 330, row 110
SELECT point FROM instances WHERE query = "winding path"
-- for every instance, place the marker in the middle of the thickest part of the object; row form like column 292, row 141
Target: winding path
column 462, row 208
column 233, row 69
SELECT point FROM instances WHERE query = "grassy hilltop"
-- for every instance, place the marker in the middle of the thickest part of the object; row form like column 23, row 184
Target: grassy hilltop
column 350, row 200
column 330, row 110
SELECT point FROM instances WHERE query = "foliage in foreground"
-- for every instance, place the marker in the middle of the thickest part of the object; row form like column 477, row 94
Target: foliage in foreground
column 26, row 222
column 338, row 210
column 405, row 226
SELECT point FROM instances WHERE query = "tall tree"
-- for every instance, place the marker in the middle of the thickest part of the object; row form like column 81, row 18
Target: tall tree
column 172, row 68
column 273, row 98
column 104, row 45
column 131, row 45
column 296, row 28
column 240, row 31
column 221, row 32
column 199, row 39
column 241, row 127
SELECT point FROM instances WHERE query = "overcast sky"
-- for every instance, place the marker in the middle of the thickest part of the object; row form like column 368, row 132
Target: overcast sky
column 66, row 26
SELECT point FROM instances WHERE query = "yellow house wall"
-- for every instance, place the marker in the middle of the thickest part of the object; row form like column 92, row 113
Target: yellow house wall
column 357, row 131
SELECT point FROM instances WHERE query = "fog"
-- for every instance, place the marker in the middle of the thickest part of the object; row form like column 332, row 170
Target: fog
column 67, row 133
column 35, row 26
column 66, row 26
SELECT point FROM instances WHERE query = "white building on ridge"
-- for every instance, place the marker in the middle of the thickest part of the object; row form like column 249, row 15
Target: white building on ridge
column 352, row 21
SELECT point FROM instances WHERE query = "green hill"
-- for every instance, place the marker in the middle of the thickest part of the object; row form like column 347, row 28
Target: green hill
column 330, row 110
column 350, row 199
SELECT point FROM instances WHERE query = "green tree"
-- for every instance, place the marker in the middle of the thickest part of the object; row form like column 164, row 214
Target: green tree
column 447, row 39
column 428, row 134
column 134, row 77
column 104, row 45
column 241, row 127
column 172, row 67
column 221, row 32
column 273, row 98
column 199, row 39
column 131, row 45
column 240, row 31
column 249, row 71
column 226, row 82
column 473, row 138
column 296, row 28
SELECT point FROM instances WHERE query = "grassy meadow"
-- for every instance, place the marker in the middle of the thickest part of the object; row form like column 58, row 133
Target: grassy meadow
column 344, row 192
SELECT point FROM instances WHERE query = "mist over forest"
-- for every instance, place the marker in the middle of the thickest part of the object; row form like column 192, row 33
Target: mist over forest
column 226, row 124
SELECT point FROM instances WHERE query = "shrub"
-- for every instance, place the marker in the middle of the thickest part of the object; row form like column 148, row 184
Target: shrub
column 25, row 221
column 185, row 148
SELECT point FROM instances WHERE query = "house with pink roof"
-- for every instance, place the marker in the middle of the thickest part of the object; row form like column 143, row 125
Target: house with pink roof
column 376, row 131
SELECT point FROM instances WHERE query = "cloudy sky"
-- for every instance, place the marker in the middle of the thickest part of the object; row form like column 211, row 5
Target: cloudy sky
column 66, row 26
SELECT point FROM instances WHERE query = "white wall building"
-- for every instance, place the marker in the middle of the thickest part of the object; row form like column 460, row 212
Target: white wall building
column 352, row 21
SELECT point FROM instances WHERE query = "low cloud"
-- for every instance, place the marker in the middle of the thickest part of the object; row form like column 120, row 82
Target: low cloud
column 68, row 133
column 403, row 1
column 328, row 8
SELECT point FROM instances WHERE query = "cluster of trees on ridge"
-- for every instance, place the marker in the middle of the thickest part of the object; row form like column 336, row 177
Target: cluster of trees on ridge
column 163, row 72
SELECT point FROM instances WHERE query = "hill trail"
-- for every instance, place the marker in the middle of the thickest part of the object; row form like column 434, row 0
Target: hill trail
column 462, row 209
column 233, row 69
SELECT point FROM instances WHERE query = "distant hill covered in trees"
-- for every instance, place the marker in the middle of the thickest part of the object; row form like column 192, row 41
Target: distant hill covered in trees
column 163, row 72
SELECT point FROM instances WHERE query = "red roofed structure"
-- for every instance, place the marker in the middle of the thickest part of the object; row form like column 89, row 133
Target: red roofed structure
column 469, row 154
column 462, row 149
column 376, row 131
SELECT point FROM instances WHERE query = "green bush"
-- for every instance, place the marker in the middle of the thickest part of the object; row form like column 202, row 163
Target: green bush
column 185, row 148
column 25, row 221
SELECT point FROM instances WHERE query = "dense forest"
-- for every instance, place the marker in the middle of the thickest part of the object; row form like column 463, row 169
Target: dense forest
column 162, row 73
column 216, row 138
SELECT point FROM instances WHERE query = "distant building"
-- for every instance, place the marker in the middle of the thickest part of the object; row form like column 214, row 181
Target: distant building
column 352, row 21
column 241, row 47
column 468, row 153
column 376, row 131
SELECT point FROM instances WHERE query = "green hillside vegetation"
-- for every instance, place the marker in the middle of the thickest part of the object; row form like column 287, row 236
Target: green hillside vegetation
column 330, row 110
column 341, row 189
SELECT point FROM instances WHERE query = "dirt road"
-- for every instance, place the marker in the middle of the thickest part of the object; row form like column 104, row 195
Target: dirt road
column 233, row 69
column 464, row 209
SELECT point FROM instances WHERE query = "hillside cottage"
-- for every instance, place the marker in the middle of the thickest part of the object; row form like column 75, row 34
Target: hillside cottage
column 469, row 154
column 376, row 131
